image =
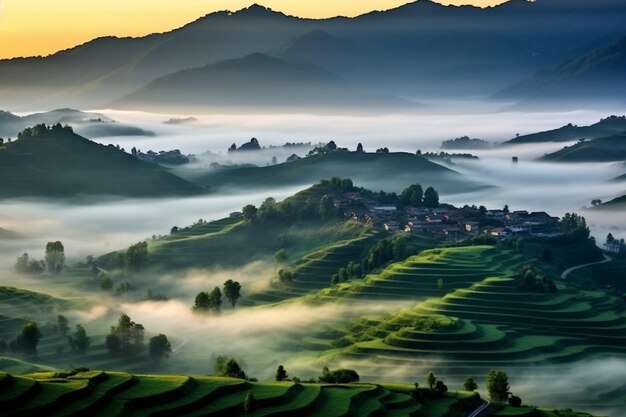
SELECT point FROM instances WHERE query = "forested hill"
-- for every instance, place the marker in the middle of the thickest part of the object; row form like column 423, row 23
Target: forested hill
column 56, row 162
column 377, row 171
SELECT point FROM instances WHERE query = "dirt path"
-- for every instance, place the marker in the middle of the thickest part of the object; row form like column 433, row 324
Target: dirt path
column 574, row 268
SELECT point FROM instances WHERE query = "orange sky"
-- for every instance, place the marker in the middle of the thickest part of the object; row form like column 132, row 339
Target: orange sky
column 41, row 27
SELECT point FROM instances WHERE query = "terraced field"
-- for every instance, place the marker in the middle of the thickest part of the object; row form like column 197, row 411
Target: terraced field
column 496, row 325
column 121, row 394
column 314, row 271
column 608, row 276
column 418, row 276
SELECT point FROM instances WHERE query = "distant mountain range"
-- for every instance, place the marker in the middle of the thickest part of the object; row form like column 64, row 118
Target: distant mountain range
column 606, row 127
column 252, row 82
column 87, row 124
column 599, row 74
column 56, row 162
column 416, row 51
column 618, row 203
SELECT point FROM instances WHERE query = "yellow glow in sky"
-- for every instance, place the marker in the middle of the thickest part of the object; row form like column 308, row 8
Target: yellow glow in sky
column 41, row 27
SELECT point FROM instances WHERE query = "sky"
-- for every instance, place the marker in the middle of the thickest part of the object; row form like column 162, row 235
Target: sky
column 42, row 27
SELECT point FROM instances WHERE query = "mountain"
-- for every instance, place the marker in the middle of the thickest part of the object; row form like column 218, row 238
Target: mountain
column 86, row 124
column 8, row 234
column 56, row 162
column 417, row 50
column 257, row 80
column 606, row 127
column 597, row 74
column 376, row 171
column 609, row 149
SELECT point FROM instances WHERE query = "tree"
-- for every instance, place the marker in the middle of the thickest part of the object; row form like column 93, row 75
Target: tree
column 28, row 339
column 201, row 303
column 159, row 347
column 498, row 386
column 506, row 209
column 431, row 380
column 127, row 337
column 268, row 210
column 21, row 265
column 469, row 384
column 280, row 257
column 249, row 405
column 431, row 198
column 281, row 374
column 608, row 243
column 233, row 370
column 249, row 213
column 136, row 258
column 232, row 291
column 574, row 226
column 441, row 388
column 411, row 196
column 79, row 341
column 596, row 202
column 215, row 300
column 515, row 401
column 63, row 325
column 359, row 148
column 55, row 256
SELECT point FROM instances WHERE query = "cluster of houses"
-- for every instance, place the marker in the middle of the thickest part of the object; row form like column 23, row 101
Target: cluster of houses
column 449, row 222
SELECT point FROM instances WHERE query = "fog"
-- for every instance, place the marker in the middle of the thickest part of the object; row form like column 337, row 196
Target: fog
column 408, row 133
column 104, row 225
column 262, row 337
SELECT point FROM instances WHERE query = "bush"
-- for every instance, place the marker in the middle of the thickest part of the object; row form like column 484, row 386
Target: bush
column 339, row 376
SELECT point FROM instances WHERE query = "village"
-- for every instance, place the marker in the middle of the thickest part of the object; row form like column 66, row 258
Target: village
column 446, row 221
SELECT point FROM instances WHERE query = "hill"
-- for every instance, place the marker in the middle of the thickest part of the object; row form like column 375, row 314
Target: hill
column 376, row 171
column 44, row 162
column 597, row 74
column 606, row 127
column 86, row 124
column 419, row 49
column 609, row 149
column 618, row 203
column 8, row 234
column 118, row 393
column 255, row 81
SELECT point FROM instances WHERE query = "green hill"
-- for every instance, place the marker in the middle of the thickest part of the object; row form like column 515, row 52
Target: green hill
column 610, row 126
column 375, row 171
column 606, row 149
column 113, row 394
column 55, row 162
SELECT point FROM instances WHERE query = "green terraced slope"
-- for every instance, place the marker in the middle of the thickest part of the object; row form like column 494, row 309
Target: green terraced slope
column 114, row 394
column 492, row 324
column 417, row 277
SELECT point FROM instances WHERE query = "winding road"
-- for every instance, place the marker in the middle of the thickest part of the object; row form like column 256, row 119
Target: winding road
column 480, row 409
column 574, row 268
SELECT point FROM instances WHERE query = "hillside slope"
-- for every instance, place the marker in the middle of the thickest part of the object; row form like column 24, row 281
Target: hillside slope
column 609, row 149
column 56, row 162
column 86, row 124
column 606, row 127
column 375, row 171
